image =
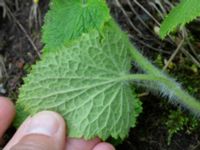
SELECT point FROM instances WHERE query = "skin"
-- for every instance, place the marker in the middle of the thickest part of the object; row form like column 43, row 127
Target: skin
column 45, row 130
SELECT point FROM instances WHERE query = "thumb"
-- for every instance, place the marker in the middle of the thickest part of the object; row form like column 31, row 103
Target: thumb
column 36, row 142
column 46, row 130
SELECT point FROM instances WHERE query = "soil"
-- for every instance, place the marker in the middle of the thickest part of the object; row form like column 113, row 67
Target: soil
column 18, row 54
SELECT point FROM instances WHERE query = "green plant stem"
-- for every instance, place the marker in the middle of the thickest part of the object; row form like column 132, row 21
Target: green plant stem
column 171, row 88
column 180, row 95
column 144, row 63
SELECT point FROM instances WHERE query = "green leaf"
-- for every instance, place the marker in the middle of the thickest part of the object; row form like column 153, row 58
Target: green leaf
column 185, row 12
column 85, row 83
column 86, row 77
column 68, row 19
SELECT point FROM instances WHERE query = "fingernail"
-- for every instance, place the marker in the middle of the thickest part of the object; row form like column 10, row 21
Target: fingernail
column 45, row 123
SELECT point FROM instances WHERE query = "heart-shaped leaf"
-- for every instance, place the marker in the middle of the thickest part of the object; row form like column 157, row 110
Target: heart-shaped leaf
column 85, row 83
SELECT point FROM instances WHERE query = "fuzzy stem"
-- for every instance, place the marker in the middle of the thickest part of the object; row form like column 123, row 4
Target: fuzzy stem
column 144, row 63
column 181, row 96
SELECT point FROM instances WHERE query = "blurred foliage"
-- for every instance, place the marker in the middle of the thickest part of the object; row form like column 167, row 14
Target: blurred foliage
column 177, row 121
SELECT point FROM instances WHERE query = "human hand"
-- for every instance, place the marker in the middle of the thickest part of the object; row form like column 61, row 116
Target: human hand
column 44, row 131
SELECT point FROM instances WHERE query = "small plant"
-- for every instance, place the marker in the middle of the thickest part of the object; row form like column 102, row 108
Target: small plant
column 184, row 13
column 84, row 73
column 177, row 122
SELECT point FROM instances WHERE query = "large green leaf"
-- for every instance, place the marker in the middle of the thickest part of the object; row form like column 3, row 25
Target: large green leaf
column 68, row 19
column 185, row 12
column 85, row 83
column 86, row 79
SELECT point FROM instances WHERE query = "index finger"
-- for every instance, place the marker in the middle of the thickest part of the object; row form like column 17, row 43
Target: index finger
column 7, row 113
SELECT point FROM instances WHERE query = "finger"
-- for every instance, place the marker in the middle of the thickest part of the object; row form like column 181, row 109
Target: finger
column 7, row 113
column 45, row 130
column 80, row 144
column 104, row 146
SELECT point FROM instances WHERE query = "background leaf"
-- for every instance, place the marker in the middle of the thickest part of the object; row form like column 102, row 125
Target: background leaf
column 68, row 19
column 185, row 12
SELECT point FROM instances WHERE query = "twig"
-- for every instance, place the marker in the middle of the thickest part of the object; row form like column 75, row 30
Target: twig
column 127, row 17
column 3, row 72
column 143, row 94
column 173, row 55
column 2, row 4
column 157, row 9
column 35, row 16
column 186, row 53
column 137, row 15
column 23, row 30
column 191, row 57
column 169, row 3
column 161, row 6
column 149, row 46
column 147, row 12
column 190, row 45
column 196, row 147
column 17, row 4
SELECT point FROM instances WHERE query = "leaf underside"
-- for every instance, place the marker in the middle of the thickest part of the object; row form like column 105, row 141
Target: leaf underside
column 184, row 13
column 83, row 83
column 68, row 19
